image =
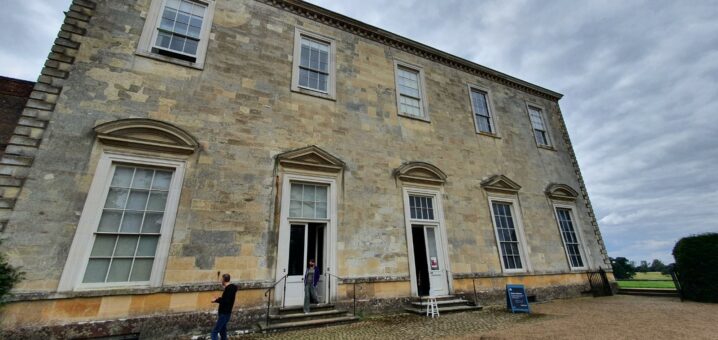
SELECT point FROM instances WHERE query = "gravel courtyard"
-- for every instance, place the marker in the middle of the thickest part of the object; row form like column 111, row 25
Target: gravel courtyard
column 616, row 317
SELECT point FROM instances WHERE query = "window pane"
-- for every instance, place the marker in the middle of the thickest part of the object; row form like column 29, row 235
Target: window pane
column 138, row 200
column 163, row 39
column 153, row 223
column 126, row 246
column 295, row 208
column 296, row 250
column 157, row 201
column 308, row 209
column 177, row 43
column 431, row 241
column 321, row 209
column 308, row 193
column 162, row 180
column 141, row 270
column 96, row 270
column 190, row 46
column 143, row 178
column 484, row 124
column 116, row 198
column 122, row 177
column 104, row 245
column 131, row 222
column 321, row 194
column 147, row 246
column 508, row 239
column 119, row 270
column 110, row 221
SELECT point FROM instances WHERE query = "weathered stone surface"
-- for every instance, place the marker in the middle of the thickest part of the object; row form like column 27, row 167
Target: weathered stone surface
column 242, row 112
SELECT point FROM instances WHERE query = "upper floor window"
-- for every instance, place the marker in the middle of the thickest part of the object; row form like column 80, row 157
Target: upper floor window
column 539, row 126
column 421, row 207
column 177, row 31
column 482, row 114
column 410, row 91
column 314, row 58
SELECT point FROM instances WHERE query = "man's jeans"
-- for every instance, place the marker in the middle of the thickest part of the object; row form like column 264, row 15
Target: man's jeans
column 221, row 326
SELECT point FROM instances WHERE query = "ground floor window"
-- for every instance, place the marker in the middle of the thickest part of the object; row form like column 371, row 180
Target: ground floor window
column 508, row 239
column 570, row 238
column 126, row 238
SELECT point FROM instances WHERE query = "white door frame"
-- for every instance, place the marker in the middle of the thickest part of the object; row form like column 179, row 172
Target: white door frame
column 299, row 279
column 439, row 221
column 285, row 223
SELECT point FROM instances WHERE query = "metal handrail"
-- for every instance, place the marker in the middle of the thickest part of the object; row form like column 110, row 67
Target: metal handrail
column 354, row 287
column 268, row 293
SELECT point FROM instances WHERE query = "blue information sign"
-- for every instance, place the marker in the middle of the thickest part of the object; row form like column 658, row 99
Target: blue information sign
column 516, row 299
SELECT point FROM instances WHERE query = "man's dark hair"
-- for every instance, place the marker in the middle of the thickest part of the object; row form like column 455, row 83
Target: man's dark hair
column 225, row 277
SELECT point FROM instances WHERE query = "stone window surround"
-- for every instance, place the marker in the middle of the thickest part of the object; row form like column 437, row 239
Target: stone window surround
column 513, row 202
column 490, row 105
column 422, row 88
column 76, row 263
column 149, row 35
column 549, row 135
column 585, row 255
column 331, row 93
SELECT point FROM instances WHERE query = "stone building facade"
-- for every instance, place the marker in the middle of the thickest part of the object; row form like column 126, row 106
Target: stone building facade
column 168, row 141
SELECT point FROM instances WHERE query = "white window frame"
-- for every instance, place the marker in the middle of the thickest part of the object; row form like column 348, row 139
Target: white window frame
column 83, row 241
column 542, row 111
column 439, row 221
column 331, row 79
column 519, row 226
column 579, row 235
column 423, row 104
column 149, row 34
column 489, row 104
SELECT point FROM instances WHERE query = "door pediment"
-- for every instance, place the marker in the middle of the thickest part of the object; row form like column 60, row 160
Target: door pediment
column 500, row 183
column 561, row 192
column 312, row 158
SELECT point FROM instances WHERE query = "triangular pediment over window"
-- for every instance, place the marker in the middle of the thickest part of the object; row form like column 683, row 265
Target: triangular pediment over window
column 561, row 192
column 312, row 158
column 147, row 134
column 500, row 183
column 420, row 172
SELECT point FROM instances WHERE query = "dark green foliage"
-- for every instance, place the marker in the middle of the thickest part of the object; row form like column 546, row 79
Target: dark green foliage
column 643, row 268
column 9, row 276
column 622, row 268
column 669, row 268
column 657, row 266
column 697, row 266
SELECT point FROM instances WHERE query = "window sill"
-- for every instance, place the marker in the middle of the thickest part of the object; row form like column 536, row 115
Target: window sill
column 425, row 120
column 547, row 147
column 488, row 134
column 314, row 93
column 196, row 66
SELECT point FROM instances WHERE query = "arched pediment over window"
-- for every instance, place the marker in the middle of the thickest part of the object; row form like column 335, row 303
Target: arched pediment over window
column 500, row 183
column 146, row 134
column 420, row 172
column 561, row 192
column 312, row 158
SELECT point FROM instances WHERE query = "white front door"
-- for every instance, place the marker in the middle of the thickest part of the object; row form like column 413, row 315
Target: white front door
column 298, row 236
column 435, row 261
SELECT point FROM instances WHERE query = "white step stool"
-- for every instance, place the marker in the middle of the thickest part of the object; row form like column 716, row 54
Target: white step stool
column 432, row 308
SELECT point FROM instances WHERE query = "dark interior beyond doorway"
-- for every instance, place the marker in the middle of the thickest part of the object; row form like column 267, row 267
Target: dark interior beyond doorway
column 422, row 269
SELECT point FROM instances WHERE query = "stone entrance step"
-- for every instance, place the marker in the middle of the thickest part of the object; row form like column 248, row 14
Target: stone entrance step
column 446, row 304
column 289, row 318
column 648, row 292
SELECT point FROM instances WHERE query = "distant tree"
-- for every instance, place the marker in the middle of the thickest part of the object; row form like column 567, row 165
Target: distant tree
column 668, row 269
column 643, row 268
column 622, row 268
column 657, row 266
column 9, row 276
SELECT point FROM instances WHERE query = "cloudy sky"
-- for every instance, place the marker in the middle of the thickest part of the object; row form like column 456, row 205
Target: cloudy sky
column 640, row 80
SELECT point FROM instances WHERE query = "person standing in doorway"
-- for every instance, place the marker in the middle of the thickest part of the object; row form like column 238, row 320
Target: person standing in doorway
column 224, row 312
column 311, row 278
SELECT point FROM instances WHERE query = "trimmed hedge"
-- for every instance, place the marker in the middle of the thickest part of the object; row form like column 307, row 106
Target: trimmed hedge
column 9, row 276
column 697, row 266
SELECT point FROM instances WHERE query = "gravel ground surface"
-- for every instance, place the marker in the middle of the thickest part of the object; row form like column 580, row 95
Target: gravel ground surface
column 617, row 317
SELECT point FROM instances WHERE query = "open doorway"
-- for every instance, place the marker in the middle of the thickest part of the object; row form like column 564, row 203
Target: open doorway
column 306, row 242
column 422, row 269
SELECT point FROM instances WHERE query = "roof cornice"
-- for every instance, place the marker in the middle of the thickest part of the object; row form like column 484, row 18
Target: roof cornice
column 359, row 28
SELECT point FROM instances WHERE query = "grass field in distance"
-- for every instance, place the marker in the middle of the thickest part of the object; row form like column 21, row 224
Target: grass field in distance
column 642, row 280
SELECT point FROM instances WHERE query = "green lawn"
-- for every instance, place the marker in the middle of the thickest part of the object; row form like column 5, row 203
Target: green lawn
column 645, row 284
column 643, row 280
column 651, row 276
